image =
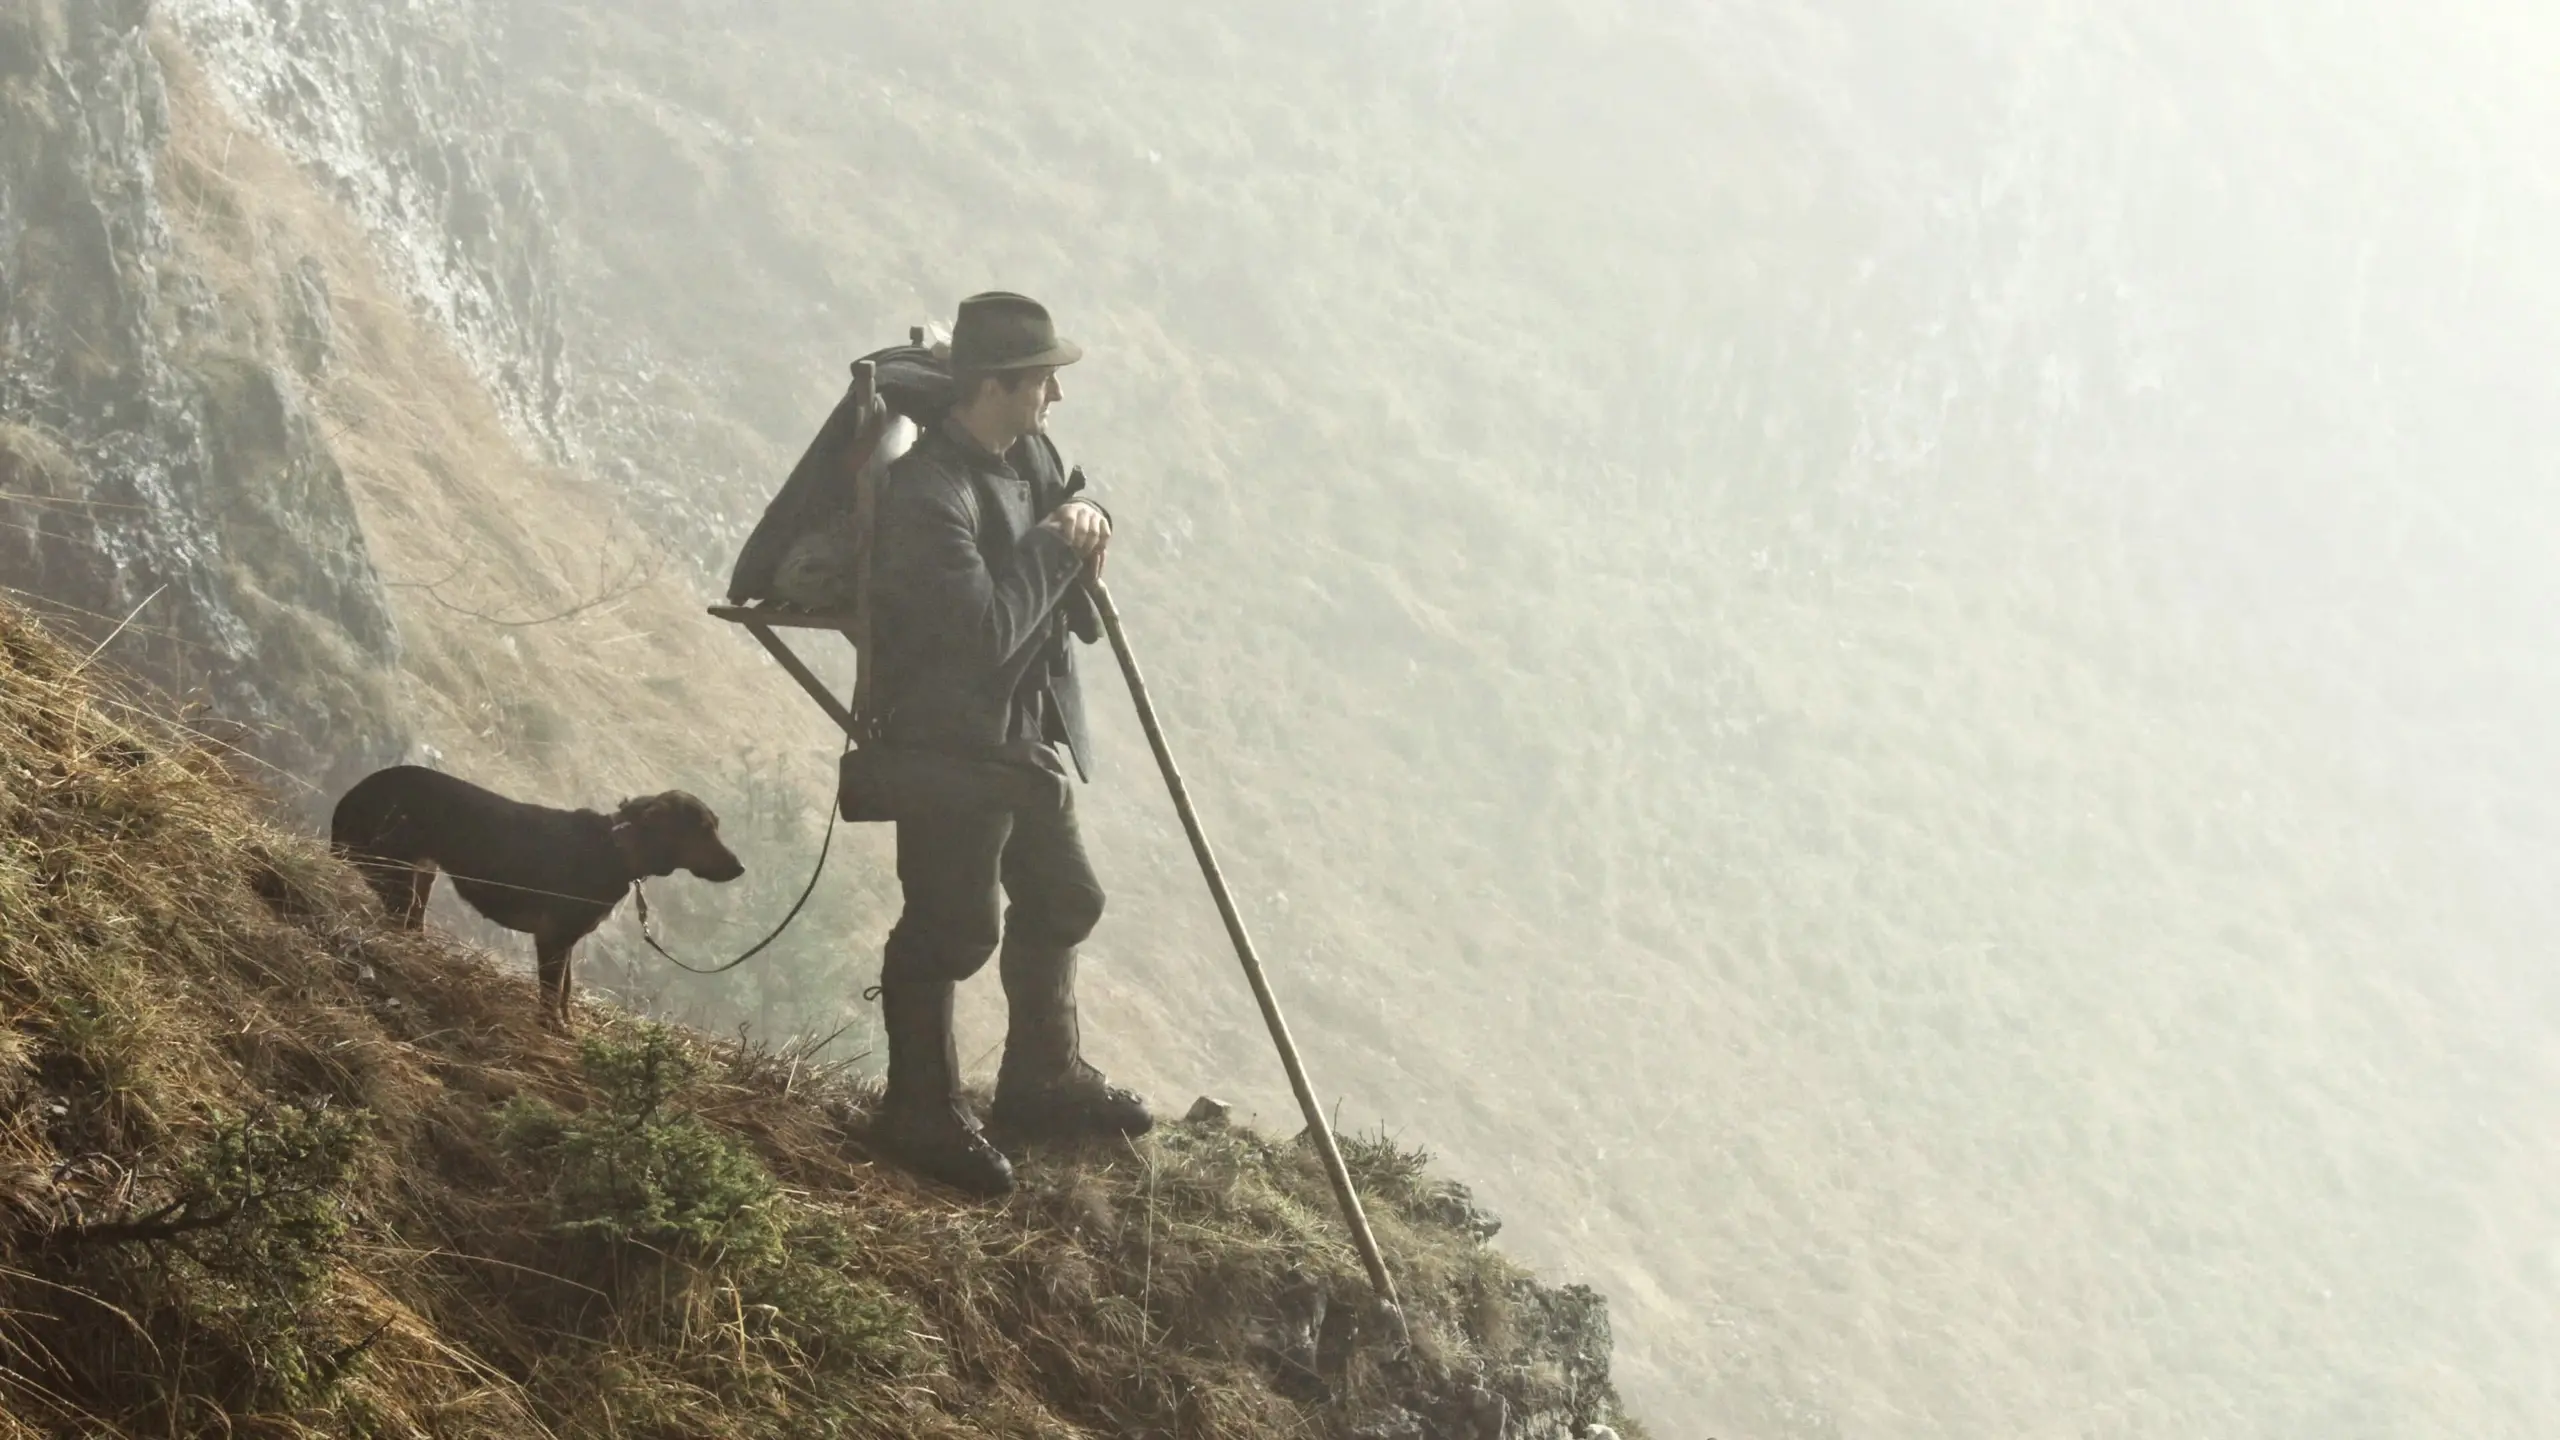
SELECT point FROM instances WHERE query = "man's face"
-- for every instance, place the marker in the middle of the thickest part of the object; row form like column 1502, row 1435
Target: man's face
column 1027, row 402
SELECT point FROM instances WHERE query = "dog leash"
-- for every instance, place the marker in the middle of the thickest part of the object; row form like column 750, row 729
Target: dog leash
column 649, row 932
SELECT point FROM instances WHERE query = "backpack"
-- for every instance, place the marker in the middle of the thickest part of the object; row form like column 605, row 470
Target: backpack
column 834, row 486
column 815, row 536
column 827, row 505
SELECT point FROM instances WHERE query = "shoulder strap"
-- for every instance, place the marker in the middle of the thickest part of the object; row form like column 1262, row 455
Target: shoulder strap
column 868, row 472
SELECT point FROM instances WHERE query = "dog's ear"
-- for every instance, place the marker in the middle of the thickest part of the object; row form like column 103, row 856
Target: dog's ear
column 665, row 815
column 679, row 810
column 640, row 817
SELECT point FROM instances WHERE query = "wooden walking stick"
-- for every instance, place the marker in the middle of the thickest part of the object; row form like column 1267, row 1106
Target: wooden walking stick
column 1352, row 1214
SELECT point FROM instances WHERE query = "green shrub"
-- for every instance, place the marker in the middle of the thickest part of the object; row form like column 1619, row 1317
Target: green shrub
column 837, row 1320
column 276, row 1183
column 255, row 1226
column 635, row 1168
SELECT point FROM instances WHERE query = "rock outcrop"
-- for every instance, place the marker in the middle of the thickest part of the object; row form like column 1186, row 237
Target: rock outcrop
column 394, row 109
column 153, row 468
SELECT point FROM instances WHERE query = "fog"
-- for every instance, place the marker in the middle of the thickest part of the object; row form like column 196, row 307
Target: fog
column 1888, row 665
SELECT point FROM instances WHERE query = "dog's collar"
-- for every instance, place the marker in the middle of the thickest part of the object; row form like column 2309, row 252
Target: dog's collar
column 621, row 833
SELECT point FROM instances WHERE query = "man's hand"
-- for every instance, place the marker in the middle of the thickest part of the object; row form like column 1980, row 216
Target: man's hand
column 1086, row 529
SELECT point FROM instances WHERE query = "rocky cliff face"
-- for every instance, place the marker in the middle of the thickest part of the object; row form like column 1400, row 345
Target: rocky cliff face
column 393, row 108
column 158, row 464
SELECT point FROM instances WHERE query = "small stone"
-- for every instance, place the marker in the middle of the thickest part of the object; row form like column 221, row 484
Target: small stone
column 1599, row 1432
column 1389, row 1318
column 1208, row 1111
column 1396, row 1424
column 1484, row 1414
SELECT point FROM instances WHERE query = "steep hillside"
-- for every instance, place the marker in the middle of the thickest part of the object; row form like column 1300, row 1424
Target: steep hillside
column 1888, row 662
column 266, row 1168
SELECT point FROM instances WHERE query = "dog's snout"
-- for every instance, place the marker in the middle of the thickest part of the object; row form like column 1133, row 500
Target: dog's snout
column 719, row 867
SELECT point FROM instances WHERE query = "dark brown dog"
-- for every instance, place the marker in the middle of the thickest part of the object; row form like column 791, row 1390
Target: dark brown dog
column 552, row 874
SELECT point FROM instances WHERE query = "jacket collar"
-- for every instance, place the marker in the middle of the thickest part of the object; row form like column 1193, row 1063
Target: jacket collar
column 966, row 446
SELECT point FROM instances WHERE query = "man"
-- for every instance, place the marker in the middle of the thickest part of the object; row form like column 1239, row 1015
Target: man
column 976, row 558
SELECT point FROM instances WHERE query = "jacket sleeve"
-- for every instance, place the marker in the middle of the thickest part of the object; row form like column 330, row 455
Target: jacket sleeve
column 930, row 566
column 1083, row 620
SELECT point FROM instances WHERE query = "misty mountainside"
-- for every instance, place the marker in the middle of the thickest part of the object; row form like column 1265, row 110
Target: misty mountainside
column 1889, row 665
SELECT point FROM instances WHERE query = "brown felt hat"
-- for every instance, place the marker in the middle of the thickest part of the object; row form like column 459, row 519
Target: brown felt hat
column 999, row 330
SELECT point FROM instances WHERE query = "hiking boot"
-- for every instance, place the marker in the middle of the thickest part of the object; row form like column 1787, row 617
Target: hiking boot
column 941, row 1142
column 924, row 1123
column 1078, row 1103
column 1044, row 1089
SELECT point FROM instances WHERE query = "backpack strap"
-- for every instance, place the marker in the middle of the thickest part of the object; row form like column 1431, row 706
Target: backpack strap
column 869, row 470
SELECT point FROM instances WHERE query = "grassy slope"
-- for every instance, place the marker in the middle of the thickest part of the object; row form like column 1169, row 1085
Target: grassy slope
column 267, row 1169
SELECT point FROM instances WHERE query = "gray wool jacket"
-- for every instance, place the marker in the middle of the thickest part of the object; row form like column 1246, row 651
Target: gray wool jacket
column 973, row 601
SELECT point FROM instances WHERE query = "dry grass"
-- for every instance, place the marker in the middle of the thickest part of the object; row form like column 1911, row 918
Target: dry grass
column 217, row 1073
